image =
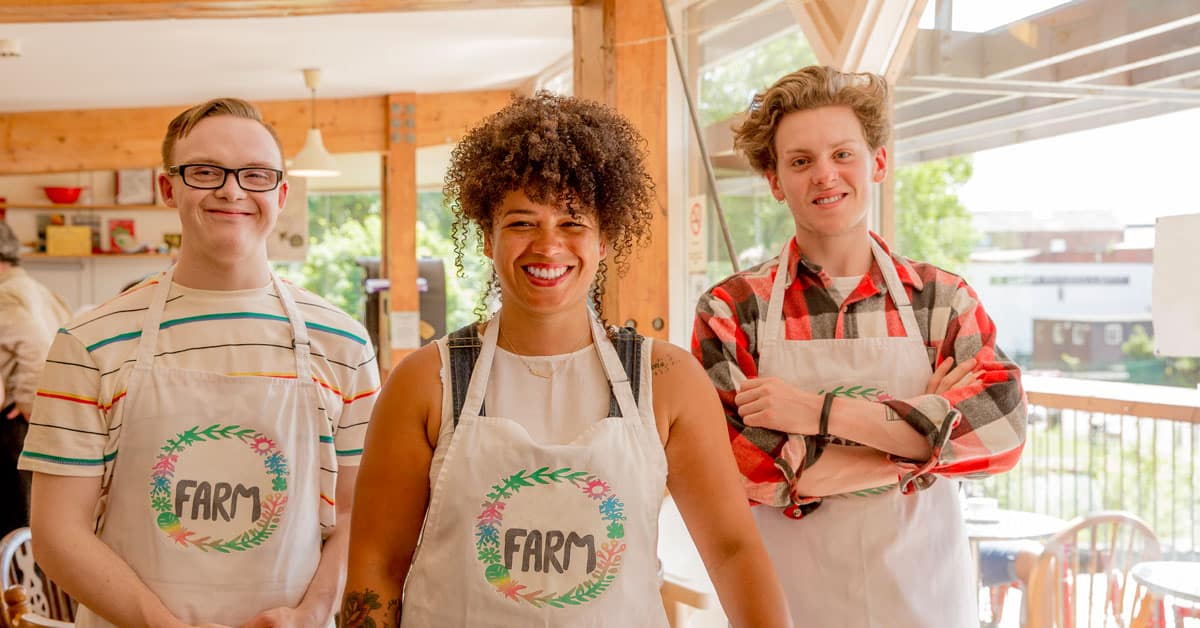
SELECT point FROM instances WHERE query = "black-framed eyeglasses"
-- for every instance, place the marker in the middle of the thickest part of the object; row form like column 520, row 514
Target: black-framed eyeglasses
column 210, row 177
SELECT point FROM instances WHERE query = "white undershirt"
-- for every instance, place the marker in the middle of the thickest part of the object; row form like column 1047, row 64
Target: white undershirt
column 843, row 286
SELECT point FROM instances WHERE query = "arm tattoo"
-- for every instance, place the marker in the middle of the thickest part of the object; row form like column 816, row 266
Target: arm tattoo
column 358, row 606
column 662, row 364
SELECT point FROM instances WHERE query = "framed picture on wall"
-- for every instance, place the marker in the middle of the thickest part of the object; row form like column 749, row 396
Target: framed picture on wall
column 135, row 186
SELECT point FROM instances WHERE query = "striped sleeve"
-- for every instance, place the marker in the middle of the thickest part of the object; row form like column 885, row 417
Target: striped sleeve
column 358, row 399
column 68, row 429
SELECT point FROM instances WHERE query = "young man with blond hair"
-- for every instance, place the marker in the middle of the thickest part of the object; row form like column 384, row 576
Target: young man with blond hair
column 857, row 383
column 195, row 440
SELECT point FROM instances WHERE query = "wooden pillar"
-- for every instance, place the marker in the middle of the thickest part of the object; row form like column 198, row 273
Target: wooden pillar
column 400, row 229
column 621, row 60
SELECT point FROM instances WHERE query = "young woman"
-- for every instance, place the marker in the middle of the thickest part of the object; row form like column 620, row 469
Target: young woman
column 514, row 471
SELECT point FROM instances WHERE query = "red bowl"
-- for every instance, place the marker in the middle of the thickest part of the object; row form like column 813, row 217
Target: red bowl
column 62, row 195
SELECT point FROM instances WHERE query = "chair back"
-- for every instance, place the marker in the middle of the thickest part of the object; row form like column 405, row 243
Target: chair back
column 1082, row 576
column 17, row 568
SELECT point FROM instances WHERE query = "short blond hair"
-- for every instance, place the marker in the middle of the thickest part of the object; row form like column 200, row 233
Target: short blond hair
column 186, row 121
column 810, row 88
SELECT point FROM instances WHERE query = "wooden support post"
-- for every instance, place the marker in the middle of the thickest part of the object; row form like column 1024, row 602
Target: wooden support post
column 621, row 60
column 400, row 228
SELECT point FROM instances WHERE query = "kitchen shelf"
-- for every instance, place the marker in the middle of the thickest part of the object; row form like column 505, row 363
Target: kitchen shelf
column 75, row 207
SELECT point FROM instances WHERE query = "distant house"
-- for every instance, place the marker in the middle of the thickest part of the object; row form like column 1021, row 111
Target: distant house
column 1090, row 343
column 1071, row 266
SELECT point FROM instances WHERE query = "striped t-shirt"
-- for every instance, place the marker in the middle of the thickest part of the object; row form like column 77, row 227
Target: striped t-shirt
column 76, row 428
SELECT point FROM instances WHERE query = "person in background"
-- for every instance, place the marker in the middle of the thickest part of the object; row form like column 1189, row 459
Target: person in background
column 528, row 455
column 30, row 314
column 855, row 381
column 213, row 415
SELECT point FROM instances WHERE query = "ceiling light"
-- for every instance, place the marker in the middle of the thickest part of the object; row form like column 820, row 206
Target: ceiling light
column 313, row 160
column 10, row 47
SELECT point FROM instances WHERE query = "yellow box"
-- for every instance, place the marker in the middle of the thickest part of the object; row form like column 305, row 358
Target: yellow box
column 64, row 240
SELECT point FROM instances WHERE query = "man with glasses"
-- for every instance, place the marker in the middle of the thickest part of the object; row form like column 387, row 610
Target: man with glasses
column 212, row 417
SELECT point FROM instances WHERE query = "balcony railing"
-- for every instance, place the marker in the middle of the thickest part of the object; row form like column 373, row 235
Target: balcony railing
column 1095, row 445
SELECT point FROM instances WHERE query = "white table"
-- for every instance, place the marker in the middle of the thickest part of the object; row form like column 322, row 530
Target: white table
column 1169, row 578
column 1012, row 525
column 1007, row 525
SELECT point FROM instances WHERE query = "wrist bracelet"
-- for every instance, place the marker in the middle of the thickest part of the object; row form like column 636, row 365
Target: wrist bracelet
column 823, row 426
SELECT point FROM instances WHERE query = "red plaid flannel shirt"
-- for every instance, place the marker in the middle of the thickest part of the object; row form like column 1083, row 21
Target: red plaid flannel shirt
column 985, row 436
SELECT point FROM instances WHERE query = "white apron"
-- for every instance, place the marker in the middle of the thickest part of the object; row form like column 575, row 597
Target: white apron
column 523, row 533
column 885, row 560
column 213, row 498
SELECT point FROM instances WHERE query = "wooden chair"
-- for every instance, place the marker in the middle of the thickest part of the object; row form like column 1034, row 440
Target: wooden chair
column 29, row 597
column 1082, row 576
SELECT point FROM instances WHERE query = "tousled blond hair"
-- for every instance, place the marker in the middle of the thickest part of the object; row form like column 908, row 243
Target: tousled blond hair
column 186, row 121
column 809, row 88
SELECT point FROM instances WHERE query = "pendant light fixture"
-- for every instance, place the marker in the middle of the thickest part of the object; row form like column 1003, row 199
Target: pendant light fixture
column 313, row 160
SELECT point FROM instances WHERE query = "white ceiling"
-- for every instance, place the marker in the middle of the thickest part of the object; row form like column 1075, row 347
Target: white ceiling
column 94, row 65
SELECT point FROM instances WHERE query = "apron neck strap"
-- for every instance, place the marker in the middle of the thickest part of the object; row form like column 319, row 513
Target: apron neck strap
column 158, row 301
column 152, row 320
column 774, row 330
column 618, row 379
column 895, row 289
column 613, row 369
column 301, row 345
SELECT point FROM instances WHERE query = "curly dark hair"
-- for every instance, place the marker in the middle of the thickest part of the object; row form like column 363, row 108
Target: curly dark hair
column 555, row 149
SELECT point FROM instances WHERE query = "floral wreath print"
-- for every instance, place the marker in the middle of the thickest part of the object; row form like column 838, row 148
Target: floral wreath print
column 866, row 393
column 162, row 495
column 608, row 557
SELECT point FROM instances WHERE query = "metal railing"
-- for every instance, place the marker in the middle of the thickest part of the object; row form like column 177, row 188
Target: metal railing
column 1095, row 445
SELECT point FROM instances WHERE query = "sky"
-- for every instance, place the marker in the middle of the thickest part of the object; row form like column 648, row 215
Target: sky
column 1139, row 170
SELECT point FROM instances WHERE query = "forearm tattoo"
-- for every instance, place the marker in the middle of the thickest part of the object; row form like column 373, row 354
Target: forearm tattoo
column 358, row 608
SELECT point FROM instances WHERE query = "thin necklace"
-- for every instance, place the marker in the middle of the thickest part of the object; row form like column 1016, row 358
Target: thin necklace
column 546, row 371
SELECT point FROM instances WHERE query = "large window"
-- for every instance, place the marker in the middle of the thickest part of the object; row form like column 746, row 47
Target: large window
column 1008, row 177
column 342, row 227
column 739, row 49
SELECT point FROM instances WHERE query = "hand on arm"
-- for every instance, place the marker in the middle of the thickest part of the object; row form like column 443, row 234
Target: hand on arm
column 774, row 404
column 67, row 548
column 325, row 591
column 703, row 480
column 392, row 491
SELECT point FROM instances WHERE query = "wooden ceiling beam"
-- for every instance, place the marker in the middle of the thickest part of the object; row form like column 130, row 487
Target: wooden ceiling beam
column 110, row 10
column 859, row 35
column 108, row 139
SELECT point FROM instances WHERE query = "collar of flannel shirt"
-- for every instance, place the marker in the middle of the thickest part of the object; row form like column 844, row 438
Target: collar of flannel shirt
column 908, row 276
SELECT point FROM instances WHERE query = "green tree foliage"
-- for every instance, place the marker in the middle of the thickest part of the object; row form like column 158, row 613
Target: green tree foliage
column 758, row 224
column 433, row 240
column 932, row 225
column 1147, row 368
column 345, row 227
column 341, row 229
column 726, row 88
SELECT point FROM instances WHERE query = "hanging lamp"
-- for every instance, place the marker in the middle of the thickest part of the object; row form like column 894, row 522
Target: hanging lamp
column 313, row 160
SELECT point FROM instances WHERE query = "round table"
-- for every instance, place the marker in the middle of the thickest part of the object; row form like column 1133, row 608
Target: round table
column 1007, row 525
column 1012, row 525
column 1177, row 579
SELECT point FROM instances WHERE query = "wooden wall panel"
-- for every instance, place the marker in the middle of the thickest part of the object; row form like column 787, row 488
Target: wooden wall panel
column 108, row 139
column 104, row 10
column 444, row 118
column 633, row 79
column 103, row 139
